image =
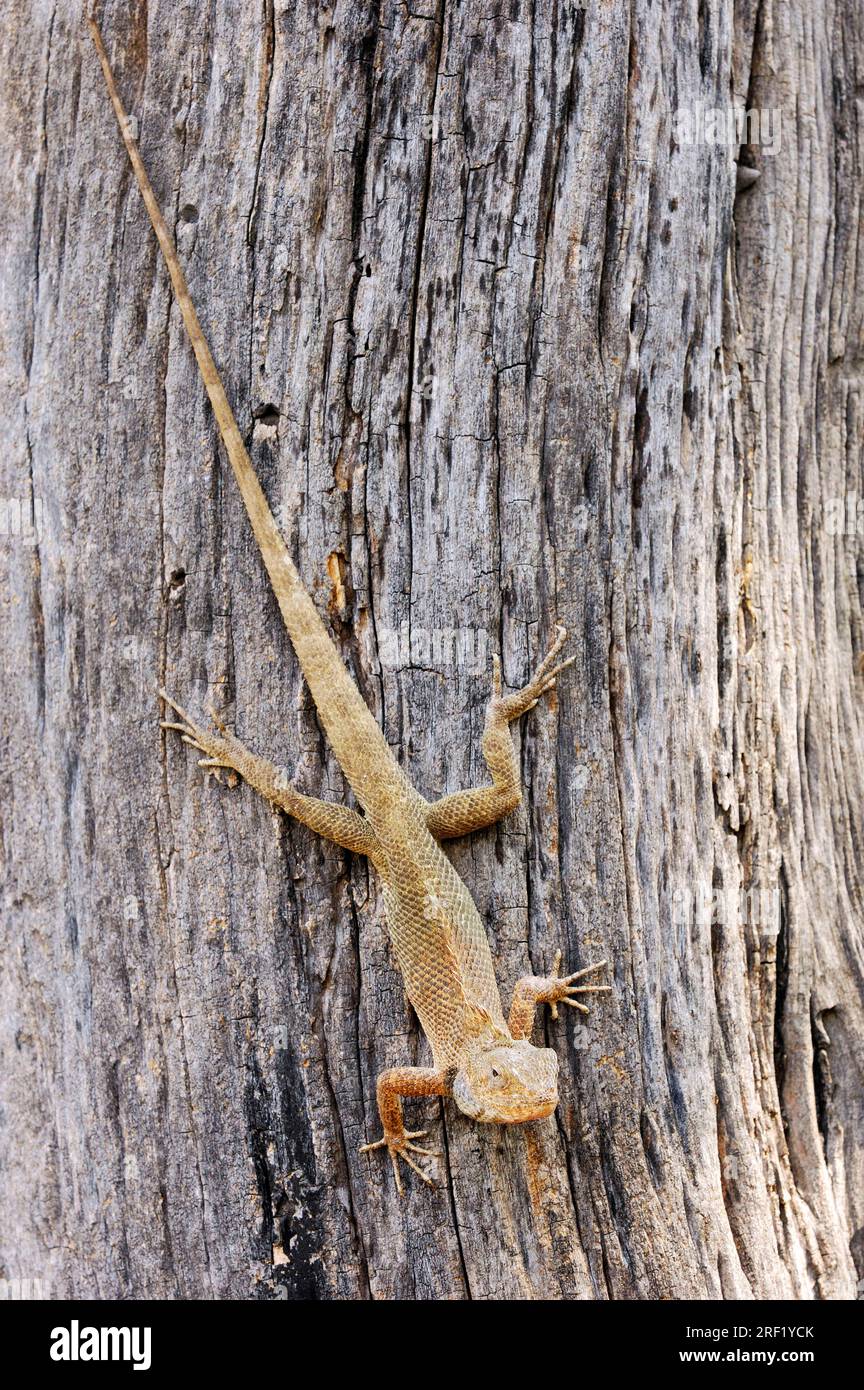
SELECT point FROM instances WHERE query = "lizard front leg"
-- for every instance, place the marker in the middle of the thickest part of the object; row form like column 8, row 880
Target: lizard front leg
column 392, row 1086
column 463, row 812
column 222, row 750
column 552, row 989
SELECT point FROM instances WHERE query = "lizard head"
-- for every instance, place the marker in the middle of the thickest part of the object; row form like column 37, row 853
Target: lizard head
column 508, row 1083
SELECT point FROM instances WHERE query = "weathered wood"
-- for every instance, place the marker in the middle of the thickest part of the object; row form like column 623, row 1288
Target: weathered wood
column 507, row 348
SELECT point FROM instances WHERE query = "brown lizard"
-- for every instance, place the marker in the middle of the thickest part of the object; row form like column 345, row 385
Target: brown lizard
column 486, row 1062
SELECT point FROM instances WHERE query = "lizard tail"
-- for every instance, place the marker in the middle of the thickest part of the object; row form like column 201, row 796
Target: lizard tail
column 354, row 734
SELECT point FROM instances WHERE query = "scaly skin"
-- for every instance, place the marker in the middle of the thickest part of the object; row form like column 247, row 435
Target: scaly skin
column 485, row 1062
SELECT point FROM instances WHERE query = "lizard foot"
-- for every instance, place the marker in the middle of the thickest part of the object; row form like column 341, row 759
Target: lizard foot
column 397, row 1146
column 543, row 680
column 560, row 988
column 217, row 749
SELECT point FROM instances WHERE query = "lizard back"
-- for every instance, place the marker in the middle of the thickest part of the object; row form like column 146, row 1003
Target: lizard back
column 438, row 936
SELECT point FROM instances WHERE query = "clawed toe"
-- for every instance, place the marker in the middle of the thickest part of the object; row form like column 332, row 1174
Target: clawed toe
column 564, row 988
column 551, row 678
column 214, row 747
column 188, row 728
column 561, row 636
column 541, row 683
column 415, row 1167
column 400, row 1146
column 178, row 709
column 577, row 974
column 187, row 733
column 219, row 723
column 585, row 989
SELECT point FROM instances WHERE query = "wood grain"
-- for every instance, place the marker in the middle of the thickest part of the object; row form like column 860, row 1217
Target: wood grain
column 506, row 350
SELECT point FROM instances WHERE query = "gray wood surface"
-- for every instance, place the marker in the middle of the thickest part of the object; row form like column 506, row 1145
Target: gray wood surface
column 507, row 348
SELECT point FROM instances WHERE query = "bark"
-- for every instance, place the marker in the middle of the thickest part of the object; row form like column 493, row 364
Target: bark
column 506, row 349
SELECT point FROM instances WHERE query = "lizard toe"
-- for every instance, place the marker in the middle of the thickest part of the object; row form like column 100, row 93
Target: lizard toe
column 400, row 1147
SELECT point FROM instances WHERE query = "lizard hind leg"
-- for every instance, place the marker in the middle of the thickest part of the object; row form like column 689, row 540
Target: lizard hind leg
column 224, row 750
column 462, row 812
column 215, row 754
column 543, row 680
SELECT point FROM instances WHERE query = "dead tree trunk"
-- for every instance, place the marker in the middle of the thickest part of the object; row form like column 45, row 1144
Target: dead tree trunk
column 507, row 348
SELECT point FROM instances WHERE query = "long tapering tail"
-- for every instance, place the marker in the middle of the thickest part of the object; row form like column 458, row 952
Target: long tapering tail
column 363, row 752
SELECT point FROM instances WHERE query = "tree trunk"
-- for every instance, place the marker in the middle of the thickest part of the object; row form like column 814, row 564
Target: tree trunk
column 507, row 348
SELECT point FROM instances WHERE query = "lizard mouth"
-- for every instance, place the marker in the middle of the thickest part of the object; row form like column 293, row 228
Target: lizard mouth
column 521, row 1112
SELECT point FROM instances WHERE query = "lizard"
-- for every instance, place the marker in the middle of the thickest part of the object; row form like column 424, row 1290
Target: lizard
column 481, row 1059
